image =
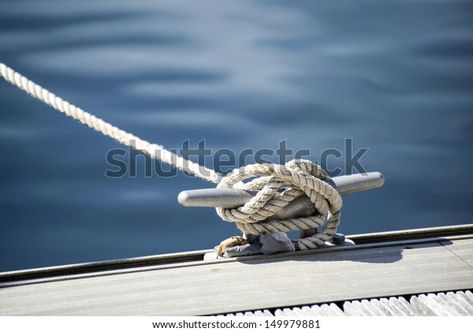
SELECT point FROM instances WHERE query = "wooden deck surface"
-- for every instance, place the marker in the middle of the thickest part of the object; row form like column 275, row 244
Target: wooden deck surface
column 278, row 281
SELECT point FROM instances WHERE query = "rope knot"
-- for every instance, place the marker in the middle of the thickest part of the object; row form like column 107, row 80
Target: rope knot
column 277, row 186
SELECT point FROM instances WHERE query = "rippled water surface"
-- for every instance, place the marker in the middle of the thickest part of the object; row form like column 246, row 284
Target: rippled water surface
column 395, row 76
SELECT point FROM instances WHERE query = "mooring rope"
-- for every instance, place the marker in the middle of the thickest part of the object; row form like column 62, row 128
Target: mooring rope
column 155, row 151
column 277, row 185
column 296, row 178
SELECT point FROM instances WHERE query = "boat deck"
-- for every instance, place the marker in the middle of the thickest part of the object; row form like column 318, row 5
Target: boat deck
column 381, row 265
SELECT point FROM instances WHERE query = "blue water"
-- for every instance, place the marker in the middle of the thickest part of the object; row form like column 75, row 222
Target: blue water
column 394, row 76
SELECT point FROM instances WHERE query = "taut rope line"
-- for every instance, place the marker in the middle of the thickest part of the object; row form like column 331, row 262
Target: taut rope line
column 155, row 151
column 277, row 185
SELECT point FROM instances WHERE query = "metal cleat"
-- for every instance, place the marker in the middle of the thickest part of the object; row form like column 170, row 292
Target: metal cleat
column 298, row 208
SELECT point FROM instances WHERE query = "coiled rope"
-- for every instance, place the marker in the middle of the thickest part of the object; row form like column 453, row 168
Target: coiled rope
column 296, row 178
column 277, row 185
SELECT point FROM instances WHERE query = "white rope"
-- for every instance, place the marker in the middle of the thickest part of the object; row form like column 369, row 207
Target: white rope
column 155, row 151
column 298, row 177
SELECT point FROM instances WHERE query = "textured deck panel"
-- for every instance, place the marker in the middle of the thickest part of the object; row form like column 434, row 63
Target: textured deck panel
column 441, row 304
column 265, row 282
column 461, row 248
column 314, row 310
